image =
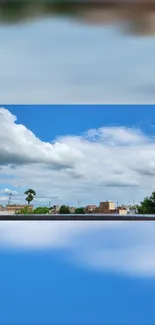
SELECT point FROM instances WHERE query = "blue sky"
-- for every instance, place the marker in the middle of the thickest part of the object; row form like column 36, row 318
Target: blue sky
column 85, row 273
column 75, row 119
column 77, row 272
column 46, row 286
column 55, row 150
column 42, row 288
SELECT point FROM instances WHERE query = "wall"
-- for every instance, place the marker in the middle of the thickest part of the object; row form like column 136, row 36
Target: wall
column 6, row 212
column 122, row 212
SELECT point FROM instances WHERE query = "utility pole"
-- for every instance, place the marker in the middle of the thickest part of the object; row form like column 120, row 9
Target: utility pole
column 9, row 201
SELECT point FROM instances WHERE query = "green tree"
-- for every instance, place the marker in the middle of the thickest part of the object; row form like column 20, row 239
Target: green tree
column 41, row 210
column 28, row 210
column 25, row 210
column 64, row 209
column 147, row 206
column 80, row 210
column 30, row 194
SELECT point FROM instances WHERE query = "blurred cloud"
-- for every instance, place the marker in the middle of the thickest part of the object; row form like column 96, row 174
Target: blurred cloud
column 7, row 191
column 62, row 59
column 94, row 245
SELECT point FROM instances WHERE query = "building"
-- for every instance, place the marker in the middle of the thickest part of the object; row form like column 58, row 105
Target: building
column 90, row 208
column 6, row 213
column 72, row 209
column 55, row 209
column 122, row 211
column 16, row 207
column 106, row 207
column 13, row 208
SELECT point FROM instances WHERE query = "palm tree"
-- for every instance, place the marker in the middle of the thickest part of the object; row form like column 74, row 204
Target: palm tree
column 30, row 195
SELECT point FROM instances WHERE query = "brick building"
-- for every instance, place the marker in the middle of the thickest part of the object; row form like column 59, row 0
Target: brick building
column 90, row 208
column 108, row 207
column 16, row 207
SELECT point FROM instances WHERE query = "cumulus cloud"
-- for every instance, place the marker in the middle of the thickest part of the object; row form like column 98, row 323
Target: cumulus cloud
column 116, row 136
column 116, row 163
column 19, row 145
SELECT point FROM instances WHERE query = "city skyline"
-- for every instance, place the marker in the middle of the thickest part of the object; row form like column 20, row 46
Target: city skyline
column 89, row 154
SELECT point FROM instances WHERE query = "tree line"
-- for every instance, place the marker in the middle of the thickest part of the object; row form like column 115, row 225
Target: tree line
column 147, row 206
column 30, row 195
column 64, row 209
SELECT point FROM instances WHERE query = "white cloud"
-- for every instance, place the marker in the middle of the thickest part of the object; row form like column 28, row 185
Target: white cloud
column 122, row 247
column 116, row 163
column 7, row 191
column 3, row 198
column 19, row 145
column 116, row 135
column 128, row 249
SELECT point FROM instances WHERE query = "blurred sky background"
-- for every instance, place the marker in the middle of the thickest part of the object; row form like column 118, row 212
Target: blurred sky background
column 80, row 56
column 89, row 272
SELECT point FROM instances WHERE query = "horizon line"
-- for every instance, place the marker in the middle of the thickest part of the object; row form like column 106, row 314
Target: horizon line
column 77, row 217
